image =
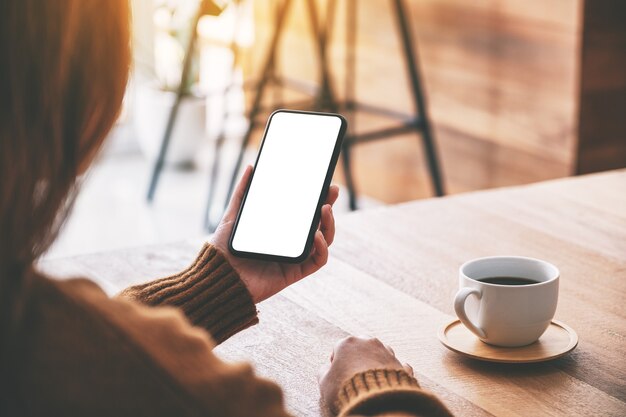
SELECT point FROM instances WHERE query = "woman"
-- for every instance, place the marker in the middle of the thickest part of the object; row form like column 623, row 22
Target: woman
column 66, row 348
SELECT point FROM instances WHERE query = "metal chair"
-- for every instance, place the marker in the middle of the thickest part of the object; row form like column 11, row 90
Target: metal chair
column 324, row 96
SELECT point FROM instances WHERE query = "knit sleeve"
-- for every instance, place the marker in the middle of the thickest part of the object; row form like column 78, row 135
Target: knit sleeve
column 209, row 292
column 379, row 392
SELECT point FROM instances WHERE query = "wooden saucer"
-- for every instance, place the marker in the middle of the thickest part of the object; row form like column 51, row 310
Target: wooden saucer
column 558, row 340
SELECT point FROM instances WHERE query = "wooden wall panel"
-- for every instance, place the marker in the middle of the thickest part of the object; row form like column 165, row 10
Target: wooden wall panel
column 602, row 131
column 496, row 76
column 503, row 83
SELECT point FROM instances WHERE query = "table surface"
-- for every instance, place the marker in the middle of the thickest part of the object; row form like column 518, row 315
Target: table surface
column 393, row 275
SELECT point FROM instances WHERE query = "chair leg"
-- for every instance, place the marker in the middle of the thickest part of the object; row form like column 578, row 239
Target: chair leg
column 350, row 74
column 325, row 99
column 165, row 143
column 209, row 225
column 278, row 97
column 258, row 98
column 418, row 98
column 347, row 170
column 350, row 99
column 171, row 121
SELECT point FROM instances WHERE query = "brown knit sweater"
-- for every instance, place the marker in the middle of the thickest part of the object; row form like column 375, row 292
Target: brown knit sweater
column 72, row 351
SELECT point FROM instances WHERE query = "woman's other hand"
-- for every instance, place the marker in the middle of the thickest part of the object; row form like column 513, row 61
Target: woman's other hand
column 264, row 278
column 351, row 356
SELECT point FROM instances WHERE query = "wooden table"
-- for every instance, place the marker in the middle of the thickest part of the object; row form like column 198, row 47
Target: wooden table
column 393, row 274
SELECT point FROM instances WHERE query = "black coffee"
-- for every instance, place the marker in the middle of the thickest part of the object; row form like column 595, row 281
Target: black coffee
column 508, row 281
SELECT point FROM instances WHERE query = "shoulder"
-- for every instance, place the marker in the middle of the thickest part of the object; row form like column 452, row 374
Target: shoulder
column 143, row 347
column 74, row 338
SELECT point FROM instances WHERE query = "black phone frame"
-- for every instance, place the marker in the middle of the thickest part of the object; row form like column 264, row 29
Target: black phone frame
column 322, row 198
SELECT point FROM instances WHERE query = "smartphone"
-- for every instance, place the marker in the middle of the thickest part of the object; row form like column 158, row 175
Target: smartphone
column 281, row 208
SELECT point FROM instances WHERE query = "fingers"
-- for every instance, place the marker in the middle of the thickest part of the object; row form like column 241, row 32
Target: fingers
column 327, row 221
column 333, row 194
column 327, row 225
column 318, row 257
column 237, row 197
column 409, row 369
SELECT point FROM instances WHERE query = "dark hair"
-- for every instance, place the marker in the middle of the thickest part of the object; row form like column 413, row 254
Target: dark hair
column 63, row 71
column 62, row 79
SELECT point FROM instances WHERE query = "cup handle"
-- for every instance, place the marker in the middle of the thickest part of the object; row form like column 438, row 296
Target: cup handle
column 459, row 308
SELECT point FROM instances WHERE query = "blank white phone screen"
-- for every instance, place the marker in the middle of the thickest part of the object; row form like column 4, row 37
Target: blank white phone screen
column 288, row 178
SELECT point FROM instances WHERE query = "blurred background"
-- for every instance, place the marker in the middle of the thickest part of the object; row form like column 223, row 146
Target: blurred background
column 515, row 91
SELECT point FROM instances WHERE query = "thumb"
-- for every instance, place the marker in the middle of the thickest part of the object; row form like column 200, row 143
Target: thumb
column 322, row 372
column 237, row 197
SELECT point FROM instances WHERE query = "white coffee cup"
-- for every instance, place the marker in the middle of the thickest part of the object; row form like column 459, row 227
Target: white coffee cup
column 507, row 315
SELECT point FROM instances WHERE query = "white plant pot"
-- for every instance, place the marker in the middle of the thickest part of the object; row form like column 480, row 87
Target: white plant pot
column 151, row 111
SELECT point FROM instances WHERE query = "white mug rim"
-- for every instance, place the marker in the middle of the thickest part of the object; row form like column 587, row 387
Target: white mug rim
column 556, row 273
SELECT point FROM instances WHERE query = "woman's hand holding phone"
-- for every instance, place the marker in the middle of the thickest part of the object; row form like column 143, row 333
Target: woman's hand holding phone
column 263, row 278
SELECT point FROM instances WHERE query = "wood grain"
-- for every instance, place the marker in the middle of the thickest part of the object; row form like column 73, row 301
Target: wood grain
column 519, row 91
column 296, row 353
column 411, row 326
column 393, row 275
column 577, row 225
column 602, row 128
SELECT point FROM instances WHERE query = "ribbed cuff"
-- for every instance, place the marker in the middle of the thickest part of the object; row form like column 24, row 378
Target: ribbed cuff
column 209, row 292
column 379, row 391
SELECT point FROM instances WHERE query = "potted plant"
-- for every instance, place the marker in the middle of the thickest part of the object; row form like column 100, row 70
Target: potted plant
column 157, row 83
